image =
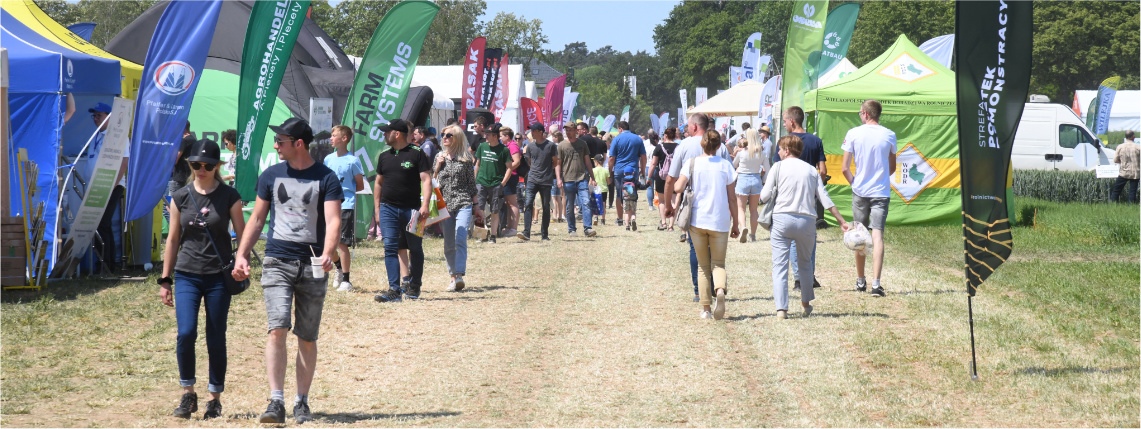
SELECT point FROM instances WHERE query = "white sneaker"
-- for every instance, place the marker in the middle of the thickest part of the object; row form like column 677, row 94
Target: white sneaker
column 706, row 315
column 719, row 305
column 345, row 287
column 451, row 286
column 337, row 279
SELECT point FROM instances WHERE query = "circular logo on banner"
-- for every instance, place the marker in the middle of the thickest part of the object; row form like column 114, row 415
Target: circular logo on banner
column 809, row 10
column 174, row 77
column 832, row 40
column 70, row 69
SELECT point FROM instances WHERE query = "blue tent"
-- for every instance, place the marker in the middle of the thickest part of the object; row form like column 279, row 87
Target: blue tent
column 41, row 74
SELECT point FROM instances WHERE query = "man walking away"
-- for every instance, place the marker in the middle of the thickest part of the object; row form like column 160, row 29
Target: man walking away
column 627, row 158
column 872, row 147
column 304, row 198
column 1126, row 158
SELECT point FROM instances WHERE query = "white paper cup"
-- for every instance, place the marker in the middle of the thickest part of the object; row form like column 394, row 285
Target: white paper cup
column 316, row 265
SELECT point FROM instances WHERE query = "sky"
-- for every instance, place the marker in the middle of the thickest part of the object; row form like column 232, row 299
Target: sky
column 624, row 25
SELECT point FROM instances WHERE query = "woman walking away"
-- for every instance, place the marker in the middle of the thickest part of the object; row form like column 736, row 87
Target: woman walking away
column 197, row 249
column 664, row 151
column 455, row 170
column 712, row 222
column 797, row 185
column 751, row 166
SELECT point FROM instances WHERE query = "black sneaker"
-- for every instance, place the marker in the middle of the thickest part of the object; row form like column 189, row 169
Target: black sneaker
column 491, row 239
column 274, row 413
column 391, row 295
column 412, row 291
column 633, row 225
column 627, row 227
column 861, row 285
column 213, row 409
column 301, row 412
column 878, row 291
column 815, row 283
column 545, row 238
column 620, row 223
column 187, row 405
column 523, row 236
column 796, row 285
column 590, row 232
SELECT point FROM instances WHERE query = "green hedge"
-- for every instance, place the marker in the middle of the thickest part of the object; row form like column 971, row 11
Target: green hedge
column 1062, row 186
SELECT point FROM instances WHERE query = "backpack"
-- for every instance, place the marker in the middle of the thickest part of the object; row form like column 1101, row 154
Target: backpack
column 666, row 164
column 630, row 184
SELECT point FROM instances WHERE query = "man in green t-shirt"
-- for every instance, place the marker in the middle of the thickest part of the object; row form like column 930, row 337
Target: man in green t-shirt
column 491, row 175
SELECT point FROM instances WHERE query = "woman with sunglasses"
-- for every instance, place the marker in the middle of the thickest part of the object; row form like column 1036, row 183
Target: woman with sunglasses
column 455, row 171
column 197, row 249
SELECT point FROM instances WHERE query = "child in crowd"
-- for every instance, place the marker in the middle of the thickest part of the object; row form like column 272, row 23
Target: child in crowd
column 602, row 178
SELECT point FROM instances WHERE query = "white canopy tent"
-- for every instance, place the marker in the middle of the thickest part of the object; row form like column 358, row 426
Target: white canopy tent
column 841, row 70
column 1126, row 111
column 447, row 84
column 743, row 99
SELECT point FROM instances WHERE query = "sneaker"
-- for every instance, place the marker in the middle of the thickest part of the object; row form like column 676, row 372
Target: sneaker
column 743, row 235
column 391, row 295
column 719, row 305
column 682, row 238
column 620, row 223
column 524, row 237
column 782, row 314
column 627, row 227
column 878, row 291
column 752, row 237
column 412, row 291
column 187, row 405
column 796, row 285
column 808, row 310
column 459, row 283
column 274, row 413
column 491, row 238
column 451, row 286
column 706, row 315
column 510, row 233
column 633, row 225
column 213, row 409
column 345, row 287
column 545, row 239
column 696, row 298
column 572, row 234
column 590, row 232
column 815, row 283
column 861, row 285
column 337, row 276
column 301, row 412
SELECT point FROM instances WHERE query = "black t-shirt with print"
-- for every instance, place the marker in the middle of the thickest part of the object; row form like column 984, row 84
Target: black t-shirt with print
column 401, row 170
column 196, row 254
column 297, row 208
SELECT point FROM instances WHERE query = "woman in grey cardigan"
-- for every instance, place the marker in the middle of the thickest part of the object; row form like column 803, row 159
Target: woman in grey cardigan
column 797, row 185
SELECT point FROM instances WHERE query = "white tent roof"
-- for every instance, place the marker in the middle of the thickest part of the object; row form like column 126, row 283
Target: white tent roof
column 743, row 99
column 842, row 69
column 447, row 81
column 1126, row 111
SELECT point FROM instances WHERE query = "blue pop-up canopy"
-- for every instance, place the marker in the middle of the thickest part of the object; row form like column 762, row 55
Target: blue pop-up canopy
column 41, row 74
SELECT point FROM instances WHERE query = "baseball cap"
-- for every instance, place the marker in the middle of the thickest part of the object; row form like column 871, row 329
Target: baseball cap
column 537, row 126
column 296, row 128
column 493, row 128
column 100, row 107
column 396, row 125
column 206, row 151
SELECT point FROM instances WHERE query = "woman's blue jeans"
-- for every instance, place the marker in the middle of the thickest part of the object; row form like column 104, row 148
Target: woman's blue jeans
column 190, row 291
column 455, row 240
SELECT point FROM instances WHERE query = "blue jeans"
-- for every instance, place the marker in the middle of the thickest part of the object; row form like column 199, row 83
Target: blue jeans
column 544, row 193
column 392, row 222
column 455, row 240
column 577, row 192
column 693, row 264
column 789, row 232
column 190, row 290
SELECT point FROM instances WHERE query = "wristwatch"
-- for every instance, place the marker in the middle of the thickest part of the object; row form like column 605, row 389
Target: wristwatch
column 165, row 280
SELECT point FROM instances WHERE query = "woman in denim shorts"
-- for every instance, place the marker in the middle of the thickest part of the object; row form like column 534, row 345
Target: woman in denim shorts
column 751, row 166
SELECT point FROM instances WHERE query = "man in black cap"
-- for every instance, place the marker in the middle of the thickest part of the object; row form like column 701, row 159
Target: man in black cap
column 403, row 187
column 305, row 199
column 543, row 156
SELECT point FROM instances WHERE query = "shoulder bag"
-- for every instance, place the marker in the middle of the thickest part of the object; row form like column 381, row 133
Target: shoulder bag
column 767, row 211
column 233, row 286
column 684, row 216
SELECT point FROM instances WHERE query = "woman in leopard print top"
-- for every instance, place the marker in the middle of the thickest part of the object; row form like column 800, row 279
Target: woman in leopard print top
column 455, row 170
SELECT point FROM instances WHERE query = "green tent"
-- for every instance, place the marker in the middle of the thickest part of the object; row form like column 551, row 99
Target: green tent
column 918, row 98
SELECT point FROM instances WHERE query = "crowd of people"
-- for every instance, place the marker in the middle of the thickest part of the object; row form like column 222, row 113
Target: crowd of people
column 310, row 208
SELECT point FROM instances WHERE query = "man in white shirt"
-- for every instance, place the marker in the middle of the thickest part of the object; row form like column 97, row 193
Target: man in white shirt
column 873, row 148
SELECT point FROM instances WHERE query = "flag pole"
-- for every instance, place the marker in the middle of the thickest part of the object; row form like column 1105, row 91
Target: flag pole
column 971, row 319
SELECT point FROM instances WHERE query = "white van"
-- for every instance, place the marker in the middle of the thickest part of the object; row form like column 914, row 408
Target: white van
column 1047, row 136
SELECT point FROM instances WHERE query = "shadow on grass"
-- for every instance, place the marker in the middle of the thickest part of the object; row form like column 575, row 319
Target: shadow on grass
column 755, row 298
column 1054, row 372
column 930, row 292
column 795, row 314
column 62, row 290
column 458, row 298
column 357, row 417
column 491, row 288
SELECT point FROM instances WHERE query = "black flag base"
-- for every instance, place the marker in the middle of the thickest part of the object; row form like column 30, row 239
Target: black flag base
column 971, row 319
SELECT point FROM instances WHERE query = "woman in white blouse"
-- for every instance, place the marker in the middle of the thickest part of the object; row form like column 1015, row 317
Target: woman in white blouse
column 713, row 221
column 797, row 185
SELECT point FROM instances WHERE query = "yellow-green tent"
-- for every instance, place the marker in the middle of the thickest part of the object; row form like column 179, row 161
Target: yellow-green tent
column 918, row 98
column 32, row 16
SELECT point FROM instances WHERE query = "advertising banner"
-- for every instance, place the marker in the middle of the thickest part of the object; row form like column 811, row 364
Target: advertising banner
column 502, row 90
column 570, row 100
column 532, row 112
column 270, row 35
column 171, row 73
column 473, row 77
column 837, row 35
column 491, row 67
column 736, row 75
column 1105, row 94
column 684, row 99
column 321, row 116
column 553, row 100
column 99, row 186
column 701, row 94
column 802, row 50
column 993, row 52
column 625, row 114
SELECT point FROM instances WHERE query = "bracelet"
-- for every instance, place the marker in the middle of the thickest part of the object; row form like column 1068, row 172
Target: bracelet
column 165, row 280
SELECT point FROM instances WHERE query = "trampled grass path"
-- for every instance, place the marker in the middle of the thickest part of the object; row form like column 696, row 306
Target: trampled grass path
column 591, row 332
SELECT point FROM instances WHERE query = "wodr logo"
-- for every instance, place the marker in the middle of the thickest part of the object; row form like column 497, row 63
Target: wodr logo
column 174, row 77
column 907, row 69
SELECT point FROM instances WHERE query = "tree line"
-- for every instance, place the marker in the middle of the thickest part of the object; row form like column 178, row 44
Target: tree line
column 1076, row 44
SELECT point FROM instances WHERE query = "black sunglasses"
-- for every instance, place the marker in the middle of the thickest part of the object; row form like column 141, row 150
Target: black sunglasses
column 446, row 135
column 201, row 165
